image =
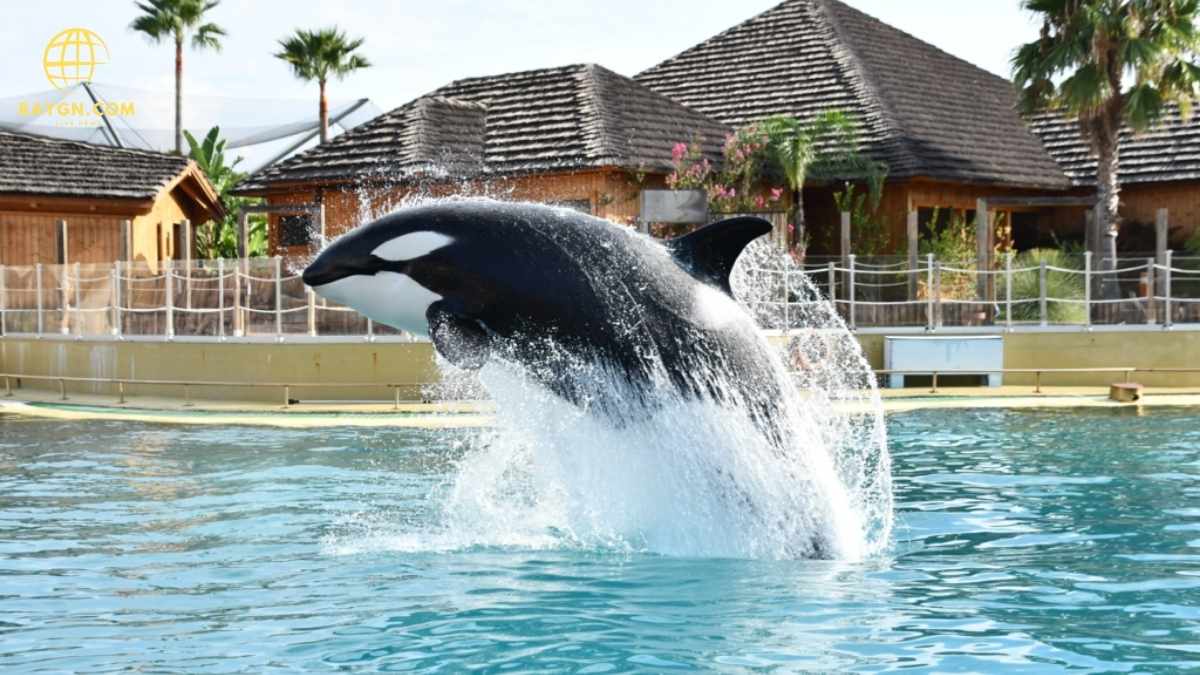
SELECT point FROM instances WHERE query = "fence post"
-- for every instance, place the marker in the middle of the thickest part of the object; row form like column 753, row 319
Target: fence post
column 1087, row 285
column 238, row 328
column 1162, row 227
column 929, row 317
column 912, row 232
column 312, row 311
column 41, row 318
column 170, row 293
column 787, row 314
column 370, row 336
column 1168, row 320
column 116, row 297
column 1151, row 286
column 852, row 293
column 1042, row 292
column 983, row 248
column 187, row 262
column 278, row 297
column 3, row 303
column 845, row 239
column 937, row 290
column 833, row 284
column 78, row 302
column 221, row 297
column 1008, row 317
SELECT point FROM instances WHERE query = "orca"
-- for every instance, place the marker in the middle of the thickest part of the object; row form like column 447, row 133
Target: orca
column 580, row 303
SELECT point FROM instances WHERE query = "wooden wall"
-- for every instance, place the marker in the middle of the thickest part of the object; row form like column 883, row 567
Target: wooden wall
column 610, row 194
column 29, row 237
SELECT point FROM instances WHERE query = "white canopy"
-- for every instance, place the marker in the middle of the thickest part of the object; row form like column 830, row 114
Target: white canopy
column 266, row 129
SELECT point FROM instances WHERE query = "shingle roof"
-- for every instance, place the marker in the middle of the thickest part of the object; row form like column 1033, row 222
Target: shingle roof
column 573, row 117
column 1168, row 152
column 48, row 166
column 921, row 110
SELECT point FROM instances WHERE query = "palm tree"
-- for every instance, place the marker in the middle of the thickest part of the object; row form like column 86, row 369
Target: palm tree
column 1079, row 65
column 163, row 19
column 315, row 55
column 824, row 147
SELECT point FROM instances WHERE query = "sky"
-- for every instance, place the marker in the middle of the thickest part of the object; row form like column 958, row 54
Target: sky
column 418, row 46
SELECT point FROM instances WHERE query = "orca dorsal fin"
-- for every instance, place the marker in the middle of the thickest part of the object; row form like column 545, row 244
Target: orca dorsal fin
column 710, row 252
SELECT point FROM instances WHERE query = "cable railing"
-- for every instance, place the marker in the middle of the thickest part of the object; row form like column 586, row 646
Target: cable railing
column 251, row 298
column 265, row 299
column 1021, row 292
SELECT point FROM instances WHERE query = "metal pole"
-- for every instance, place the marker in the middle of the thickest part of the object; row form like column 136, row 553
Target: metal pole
column 929, row 318
column 221, row 297
column 278, row 296
column 78, row 304
column 1042, row 291
column 41, row 320
column 370, row 330
column 1087, row 285
column 1168, row 320
column 116, row 273
column 833, row 284
column 170, row 292
column 852, row 292
column 1008, row 317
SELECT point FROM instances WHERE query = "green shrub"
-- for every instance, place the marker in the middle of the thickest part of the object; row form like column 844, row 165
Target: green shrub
column 1064, row 285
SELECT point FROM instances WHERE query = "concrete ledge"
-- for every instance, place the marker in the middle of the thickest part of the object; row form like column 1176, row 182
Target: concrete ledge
column 474, row 414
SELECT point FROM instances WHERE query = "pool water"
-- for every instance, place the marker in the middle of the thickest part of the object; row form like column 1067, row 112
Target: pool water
column 1025, row 542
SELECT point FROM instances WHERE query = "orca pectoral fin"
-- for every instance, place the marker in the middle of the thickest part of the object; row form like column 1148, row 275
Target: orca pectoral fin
column 463, row 342
column 710, row 252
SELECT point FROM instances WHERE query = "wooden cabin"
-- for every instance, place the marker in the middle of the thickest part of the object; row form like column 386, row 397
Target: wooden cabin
column 948, row 131
column 67, row 202
column 580, row 136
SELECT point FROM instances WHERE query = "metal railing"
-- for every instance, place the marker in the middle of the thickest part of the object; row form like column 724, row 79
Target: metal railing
column 265, row 299
column 249, row 298
column 1137, row 291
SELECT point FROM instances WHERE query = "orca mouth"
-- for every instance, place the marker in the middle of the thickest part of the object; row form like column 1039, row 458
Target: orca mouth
column 328, row 269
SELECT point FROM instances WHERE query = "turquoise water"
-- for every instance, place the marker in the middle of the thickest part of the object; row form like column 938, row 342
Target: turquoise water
column 1025, row 542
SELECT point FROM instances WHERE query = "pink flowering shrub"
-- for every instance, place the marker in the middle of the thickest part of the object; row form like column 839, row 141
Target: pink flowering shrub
column 737, row 186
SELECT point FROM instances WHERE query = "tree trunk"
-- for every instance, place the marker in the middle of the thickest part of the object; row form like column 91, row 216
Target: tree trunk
column 179, row 95
column 324, row 114
column 797, row 237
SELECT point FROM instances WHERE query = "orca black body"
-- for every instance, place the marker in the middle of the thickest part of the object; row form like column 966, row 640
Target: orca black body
column 579, row 302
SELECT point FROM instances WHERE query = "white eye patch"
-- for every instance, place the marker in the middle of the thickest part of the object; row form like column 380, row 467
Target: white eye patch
column 412, row 245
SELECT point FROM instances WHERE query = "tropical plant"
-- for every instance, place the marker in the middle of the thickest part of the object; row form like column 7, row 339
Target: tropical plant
column 175, row 20
column 1080, row 63
column 317, row 55
column 824, row 147
column 1059, row 285
column 218, row 239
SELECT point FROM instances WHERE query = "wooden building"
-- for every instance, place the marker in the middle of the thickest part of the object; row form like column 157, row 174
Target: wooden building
column 95, row 190
column 581, row 136
column 947, row 130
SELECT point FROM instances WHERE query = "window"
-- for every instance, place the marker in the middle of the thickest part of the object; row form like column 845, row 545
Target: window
column 295, row 230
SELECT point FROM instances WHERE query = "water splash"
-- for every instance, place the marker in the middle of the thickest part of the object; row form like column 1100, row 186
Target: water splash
column 695, row 477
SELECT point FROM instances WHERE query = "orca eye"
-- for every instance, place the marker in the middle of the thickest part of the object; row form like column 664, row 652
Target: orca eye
column 411, row 246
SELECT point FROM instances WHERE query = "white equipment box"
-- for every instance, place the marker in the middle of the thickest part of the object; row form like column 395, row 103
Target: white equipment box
column 962, row 353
